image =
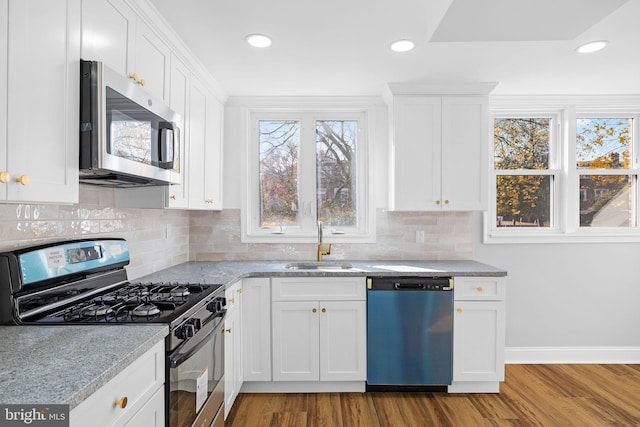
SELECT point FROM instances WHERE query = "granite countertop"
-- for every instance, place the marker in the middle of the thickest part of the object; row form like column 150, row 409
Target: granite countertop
column 66, row 364
column 227, row 272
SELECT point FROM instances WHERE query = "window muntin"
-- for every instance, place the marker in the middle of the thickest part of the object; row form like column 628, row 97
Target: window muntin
column 524, row 180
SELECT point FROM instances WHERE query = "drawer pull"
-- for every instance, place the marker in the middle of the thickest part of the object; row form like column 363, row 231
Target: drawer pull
column 122, row 402
column 315, row 310
column 23, row 179
column 324, row 310
column 479, row 288
column 459, row 310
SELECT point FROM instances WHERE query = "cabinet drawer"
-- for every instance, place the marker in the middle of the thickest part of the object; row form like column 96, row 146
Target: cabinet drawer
column 319, row 288
column 137, row 382
column 479, row 288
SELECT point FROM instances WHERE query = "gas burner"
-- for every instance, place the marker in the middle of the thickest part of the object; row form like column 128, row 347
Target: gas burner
column 179, row 291
column 145, row 310
column 97, row 310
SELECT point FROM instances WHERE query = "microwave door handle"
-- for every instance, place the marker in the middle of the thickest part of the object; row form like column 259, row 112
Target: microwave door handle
column 166, row 144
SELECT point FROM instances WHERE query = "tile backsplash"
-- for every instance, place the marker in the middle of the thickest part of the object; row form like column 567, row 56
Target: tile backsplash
column 159, row 238
column 448, row 235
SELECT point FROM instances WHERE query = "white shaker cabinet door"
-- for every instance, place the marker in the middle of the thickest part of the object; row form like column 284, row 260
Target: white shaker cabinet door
column 42, row 96
column 256, row 334
column 152, row 58
column 343, row 340
column 416, row 153
column 295, row 341
column 465, row 127
column 178, row 195
column 478, row 341
column 108, row 34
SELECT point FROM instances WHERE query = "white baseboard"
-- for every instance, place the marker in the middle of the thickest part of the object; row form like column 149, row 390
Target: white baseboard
column 550, row 355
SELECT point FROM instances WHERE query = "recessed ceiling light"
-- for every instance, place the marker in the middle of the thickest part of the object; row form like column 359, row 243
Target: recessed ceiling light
column 592, row 46
column 402, row 46
column 258, row 40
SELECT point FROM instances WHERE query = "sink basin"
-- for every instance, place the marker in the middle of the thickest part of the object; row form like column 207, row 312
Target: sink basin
column 318, row 266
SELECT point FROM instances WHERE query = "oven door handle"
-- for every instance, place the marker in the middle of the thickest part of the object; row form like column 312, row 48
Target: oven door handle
column 176, row 359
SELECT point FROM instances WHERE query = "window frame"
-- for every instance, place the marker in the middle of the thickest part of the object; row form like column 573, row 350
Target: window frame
column 566, row 207
column 307, row 232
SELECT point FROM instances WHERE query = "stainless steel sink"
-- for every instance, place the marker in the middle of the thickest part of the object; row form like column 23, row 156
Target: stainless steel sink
column 318, row 266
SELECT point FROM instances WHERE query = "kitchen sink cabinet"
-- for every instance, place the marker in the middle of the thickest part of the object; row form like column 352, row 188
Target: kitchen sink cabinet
column 113, row 33
column 141, row 383
column 478, row 334
column 233, row 345
column 256, row 333
column 319, row 329
column 39, row 88
column 430, row 134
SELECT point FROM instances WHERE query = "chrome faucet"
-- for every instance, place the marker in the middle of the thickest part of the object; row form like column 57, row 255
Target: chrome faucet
column 322, row 251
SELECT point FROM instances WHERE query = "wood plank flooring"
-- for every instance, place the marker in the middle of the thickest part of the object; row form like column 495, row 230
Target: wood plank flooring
column 532, row 395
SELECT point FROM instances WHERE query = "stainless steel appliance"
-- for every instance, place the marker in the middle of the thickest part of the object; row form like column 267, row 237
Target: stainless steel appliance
column 127, row 138
column 84, row 282
column 409, row 333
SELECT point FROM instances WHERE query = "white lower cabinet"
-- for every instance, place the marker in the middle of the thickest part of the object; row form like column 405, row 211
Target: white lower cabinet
column 141, row 383
column 256, row 333
column 319, row 329
column 232, row 346
column 478, row 334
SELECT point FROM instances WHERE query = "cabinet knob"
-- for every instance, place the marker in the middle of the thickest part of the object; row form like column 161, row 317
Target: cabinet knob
column 479, row 288
column 122, row 402
column 23, row 179
column 228, row 330
column 437, row 202
column 446, row 202
column 5, row 177
column 134, row 77
column 232, row 300
column 324, row 310
column 239, row 290
column 141, row 82
column 314, row 310
column 172, row 197
column 459, row 310
column 208, row 200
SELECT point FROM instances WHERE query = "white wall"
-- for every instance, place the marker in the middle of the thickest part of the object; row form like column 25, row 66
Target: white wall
column 568, row 295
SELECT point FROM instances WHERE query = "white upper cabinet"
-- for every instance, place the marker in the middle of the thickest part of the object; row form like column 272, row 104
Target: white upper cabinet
column 205, row 149
column 108, row 34
column 39, row 86
column 180, row 78
column 439, row 151
column 112, row 33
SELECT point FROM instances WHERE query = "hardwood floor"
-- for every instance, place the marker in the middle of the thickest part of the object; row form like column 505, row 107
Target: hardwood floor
column 532, row 395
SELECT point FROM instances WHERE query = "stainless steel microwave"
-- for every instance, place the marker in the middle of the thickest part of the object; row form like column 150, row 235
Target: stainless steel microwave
column 127, row 138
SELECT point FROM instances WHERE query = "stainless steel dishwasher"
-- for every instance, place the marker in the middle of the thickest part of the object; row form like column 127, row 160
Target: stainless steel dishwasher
column 409, row 333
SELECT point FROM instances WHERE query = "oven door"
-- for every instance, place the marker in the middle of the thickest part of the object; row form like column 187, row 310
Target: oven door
column 196, row 378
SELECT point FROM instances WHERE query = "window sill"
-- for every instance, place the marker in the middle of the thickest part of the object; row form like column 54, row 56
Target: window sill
column 554, row 236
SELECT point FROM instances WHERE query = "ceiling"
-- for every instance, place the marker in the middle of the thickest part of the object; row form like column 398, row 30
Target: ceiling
column 341, row 47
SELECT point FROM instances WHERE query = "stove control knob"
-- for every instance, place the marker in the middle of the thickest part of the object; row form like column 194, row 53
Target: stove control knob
column 195, row 324
column 184, row 331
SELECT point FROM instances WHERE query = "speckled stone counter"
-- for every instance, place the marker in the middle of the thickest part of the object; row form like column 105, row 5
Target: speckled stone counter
column 227, row 272
column 66, row 364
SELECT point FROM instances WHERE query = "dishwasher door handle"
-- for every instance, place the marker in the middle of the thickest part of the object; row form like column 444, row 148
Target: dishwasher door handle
column 408, row 286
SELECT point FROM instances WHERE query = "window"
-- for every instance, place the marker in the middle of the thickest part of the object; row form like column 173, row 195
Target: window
column 307, row 167
column 565, row 174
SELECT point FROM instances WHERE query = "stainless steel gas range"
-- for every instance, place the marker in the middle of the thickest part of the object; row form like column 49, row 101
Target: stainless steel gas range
column 85, row 282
